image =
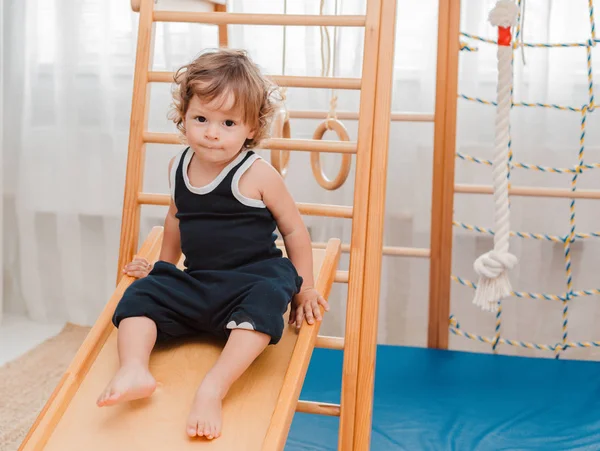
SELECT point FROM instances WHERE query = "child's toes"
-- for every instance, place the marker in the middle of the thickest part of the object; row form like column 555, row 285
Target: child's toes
column 208, row 430
column 191, row 429
column 103, row 397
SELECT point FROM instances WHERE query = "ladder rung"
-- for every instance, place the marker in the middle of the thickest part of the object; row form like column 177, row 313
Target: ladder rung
column 387, row 250
column 341, row 276
column 352, row 115
column 396, row 251
column 333, row 211
column 290, row 81
column 319, row 408
column 309, row 145
column 222, row 18
column 406, row 251
column 153, row 199
column 293, row 81
column 534, row 191
column 325, row 342
column 161, row 138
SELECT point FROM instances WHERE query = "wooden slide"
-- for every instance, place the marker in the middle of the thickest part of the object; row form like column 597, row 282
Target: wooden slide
column 257, row 412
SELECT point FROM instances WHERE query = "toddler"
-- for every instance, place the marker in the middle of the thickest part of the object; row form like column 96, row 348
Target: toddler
column 226, row 202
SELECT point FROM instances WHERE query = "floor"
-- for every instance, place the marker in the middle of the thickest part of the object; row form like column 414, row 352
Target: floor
column 19, row 334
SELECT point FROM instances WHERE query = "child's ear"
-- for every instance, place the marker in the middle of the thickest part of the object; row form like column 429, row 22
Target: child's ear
column 251, row 134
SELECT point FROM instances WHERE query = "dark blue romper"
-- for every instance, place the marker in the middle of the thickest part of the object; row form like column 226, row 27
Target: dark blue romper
column 234, row 276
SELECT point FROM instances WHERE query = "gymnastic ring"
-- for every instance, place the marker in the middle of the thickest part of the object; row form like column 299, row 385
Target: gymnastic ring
column 280, row 159
column 315, row 157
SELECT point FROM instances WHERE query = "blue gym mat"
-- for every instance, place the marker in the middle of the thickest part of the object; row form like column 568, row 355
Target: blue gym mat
column 427, row 399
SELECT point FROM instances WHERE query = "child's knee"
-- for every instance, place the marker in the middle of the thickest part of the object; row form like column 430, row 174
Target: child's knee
column 267, row 322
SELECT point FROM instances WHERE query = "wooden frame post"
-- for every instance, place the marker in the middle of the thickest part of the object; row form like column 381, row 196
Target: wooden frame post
column 375, row 224
column 443, row 173
column 223, row 33
column 134, row 175
column 359, row 243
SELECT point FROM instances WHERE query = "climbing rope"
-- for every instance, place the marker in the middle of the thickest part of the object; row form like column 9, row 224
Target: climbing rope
column 503, row 164
column 493, row 266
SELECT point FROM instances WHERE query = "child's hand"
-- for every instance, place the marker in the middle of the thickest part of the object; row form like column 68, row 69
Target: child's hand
column 139, row 267
column 307, row 304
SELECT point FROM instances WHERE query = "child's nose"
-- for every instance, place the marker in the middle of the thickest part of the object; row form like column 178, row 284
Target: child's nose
column 212, row 132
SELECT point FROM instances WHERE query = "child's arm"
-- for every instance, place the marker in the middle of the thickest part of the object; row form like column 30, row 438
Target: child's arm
column 170, row 250
column 279, row 201
column 171, row 244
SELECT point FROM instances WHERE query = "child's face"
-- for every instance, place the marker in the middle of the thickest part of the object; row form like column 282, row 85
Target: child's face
column 214, row 131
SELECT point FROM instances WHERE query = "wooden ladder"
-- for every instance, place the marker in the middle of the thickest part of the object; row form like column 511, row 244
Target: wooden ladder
column 370, row 148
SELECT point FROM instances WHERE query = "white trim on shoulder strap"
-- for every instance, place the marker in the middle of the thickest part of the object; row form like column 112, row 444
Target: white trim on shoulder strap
column 173, row 173
column 235, row 189
column 212, row 185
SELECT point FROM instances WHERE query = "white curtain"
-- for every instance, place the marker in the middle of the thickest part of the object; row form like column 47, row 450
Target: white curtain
column 68, row 74
column 1, row 153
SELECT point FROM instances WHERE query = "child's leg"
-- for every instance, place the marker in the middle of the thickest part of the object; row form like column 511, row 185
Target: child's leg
column 242, row 348
column 135, row 341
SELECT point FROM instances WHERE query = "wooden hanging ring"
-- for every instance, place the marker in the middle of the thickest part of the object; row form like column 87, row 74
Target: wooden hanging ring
column 280, row 159
column 315, row 157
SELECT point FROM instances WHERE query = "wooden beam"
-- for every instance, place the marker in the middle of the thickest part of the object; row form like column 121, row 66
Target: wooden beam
column 318, row 408
column 219, row 18
column 134, row 173
column 223, row 33
column 289, row 81
column 531, row 191
column 444, row 149
column 375, row 224
column 307, row 145
column 281, row 420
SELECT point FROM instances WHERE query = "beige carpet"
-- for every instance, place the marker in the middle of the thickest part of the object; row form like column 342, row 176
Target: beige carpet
column 27, row 382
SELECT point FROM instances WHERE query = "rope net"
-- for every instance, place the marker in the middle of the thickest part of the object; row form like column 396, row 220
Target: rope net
column 572, row 235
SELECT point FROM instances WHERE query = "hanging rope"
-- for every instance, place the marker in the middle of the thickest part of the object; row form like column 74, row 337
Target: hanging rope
column 332, row 114
column 280, row 159
column 331, row 122
column 492, row 267
column 283, row 55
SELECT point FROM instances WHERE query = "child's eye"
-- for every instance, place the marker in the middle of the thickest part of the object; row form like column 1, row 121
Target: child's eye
column 201, row 119
column 229, row 123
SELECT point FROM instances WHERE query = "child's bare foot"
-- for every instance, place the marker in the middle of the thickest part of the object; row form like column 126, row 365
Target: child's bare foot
column 131, row 382
column 205, row 415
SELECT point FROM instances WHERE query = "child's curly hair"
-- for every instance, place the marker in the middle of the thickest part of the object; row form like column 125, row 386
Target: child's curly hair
column 218, row 72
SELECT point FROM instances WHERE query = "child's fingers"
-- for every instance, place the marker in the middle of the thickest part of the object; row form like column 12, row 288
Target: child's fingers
column 292, row 317
column 299, row 317
column 324, row 303
column 137, row 266
column 316, row 311
column 308, row 312
column 134, row 270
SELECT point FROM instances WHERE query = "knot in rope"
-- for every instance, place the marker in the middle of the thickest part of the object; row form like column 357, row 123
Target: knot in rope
column 504, row 14
column 493, row 263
